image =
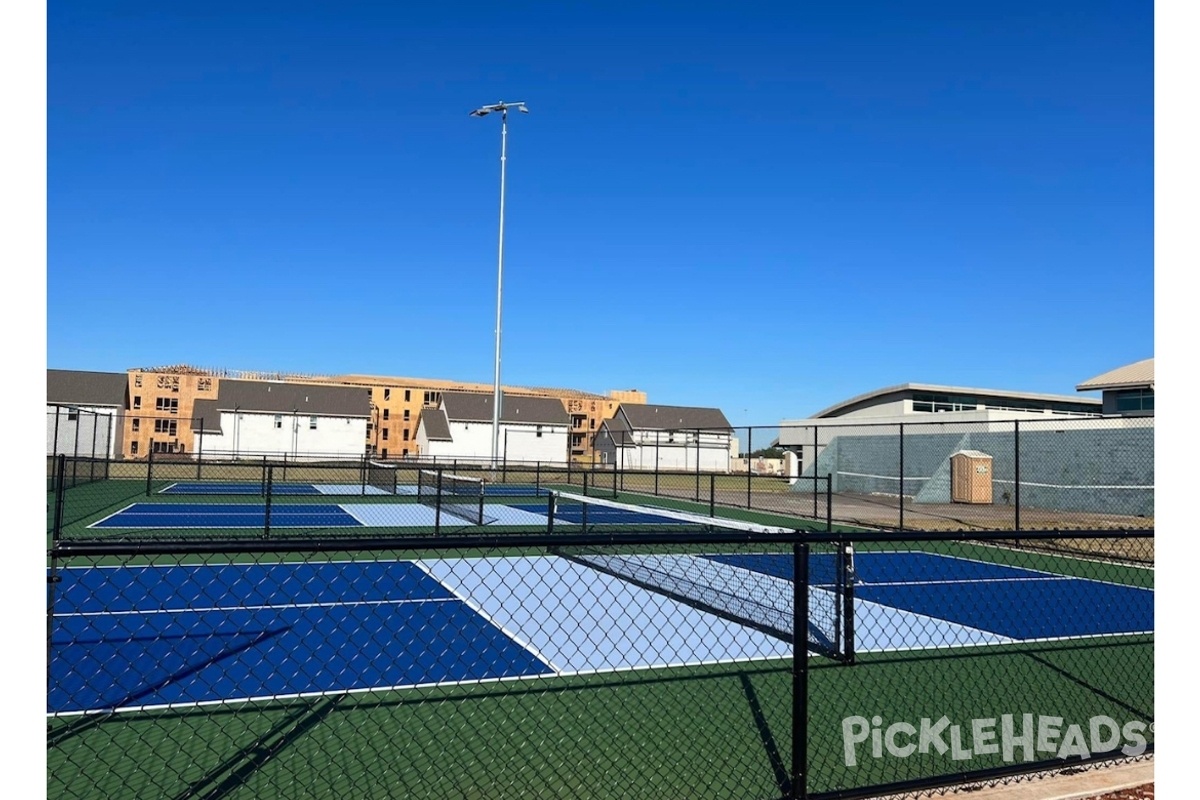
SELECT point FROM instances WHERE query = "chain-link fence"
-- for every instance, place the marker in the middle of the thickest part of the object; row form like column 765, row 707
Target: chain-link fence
column 653, row 664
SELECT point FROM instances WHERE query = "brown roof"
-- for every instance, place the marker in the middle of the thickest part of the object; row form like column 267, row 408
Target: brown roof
column 1139, row 373
column 662, row 418
column 299, row 398
column 469, row 407
column 75, row 387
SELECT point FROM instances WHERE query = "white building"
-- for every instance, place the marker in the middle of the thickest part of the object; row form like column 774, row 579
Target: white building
column 295, row 420
column 84, row 413
column 460, row 428
column 955, row 409
column 654, row 437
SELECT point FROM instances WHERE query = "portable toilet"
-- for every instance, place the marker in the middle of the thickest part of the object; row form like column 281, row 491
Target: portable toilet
column 971, row 477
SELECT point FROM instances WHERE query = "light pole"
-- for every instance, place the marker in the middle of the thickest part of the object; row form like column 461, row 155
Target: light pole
column 503, row 108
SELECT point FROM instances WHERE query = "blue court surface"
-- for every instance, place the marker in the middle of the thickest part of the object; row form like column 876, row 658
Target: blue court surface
column 191, row 635
column 251, row 488
column 214, row 516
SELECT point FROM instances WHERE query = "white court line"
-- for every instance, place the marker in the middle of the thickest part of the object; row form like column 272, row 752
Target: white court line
column 525, row 644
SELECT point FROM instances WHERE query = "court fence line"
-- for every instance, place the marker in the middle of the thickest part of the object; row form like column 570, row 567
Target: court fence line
column 336, row 656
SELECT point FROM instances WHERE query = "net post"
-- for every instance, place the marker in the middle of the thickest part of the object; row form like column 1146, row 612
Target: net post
column 828, row 502
column 799, row 778
column 848, row 579
column 267, row 507
column 585, row 484
column 537, row 476
column 550, row 512
column 437, row 505
column 482, row 499
column 263, row 480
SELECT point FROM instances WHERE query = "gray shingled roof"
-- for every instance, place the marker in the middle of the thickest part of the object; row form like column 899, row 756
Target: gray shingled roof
column 437, row 429
column 618, row 431
column 302, row 398
column 654, row 417
column 74, row 387
column 208, row 411
column 471, row 407
column 1139, row 373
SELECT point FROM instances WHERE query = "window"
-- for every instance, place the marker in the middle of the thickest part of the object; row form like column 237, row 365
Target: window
column 204, row 385
column 432, row 399
column 387, row 394
column 591, row 424
column 167, row 426
column 383, row 452
column 170, row 404
column 278, row 420
column 407, row 395
column 72, row 414
column 137, row 425
column 137, row 401
column 404, row 452
column 385, row 434
column 539, row 431
column 671, row 437
column 137, row 381
column 133, row 448
column 387, row 413
column 406, row 434
column 942, row 402
column 1135, row 400
column 312, row 423
column 406, row 413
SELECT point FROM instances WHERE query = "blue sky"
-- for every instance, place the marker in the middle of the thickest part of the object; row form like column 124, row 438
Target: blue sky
column 766, row 209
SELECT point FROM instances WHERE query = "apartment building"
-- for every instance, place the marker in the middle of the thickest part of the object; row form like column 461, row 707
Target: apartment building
column 168, row 407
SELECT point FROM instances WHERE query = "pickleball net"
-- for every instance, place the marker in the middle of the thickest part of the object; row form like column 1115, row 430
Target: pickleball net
column 382, row 476
column 752, row 583
column 449, row 493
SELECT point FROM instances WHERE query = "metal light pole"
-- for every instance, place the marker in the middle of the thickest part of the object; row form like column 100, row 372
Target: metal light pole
column 503, row 108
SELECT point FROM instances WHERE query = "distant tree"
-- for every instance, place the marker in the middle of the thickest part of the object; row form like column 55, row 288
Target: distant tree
column 768, row 452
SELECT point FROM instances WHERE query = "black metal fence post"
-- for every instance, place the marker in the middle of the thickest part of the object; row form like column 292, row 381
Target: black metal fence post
column 1016, row 475
column 901, row 476
column 150, row 469
column 697, row 463
column 815, row 462
column 799, row 781
column 712, row 494
column 657, row 434
column 267, row 486
column 200, row 450
column 749, row 473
